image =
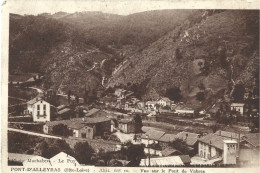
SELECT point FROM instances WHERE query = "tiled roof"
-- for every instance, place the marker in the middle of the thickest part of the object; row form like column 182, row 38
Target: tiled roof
column 166, row 99
column 34, row 100
column 61, row 107
column 75, row 123
column 163, row 161
column 189, row 138
column 91, row 112
column 95, row 120
column 238, row 104
column 185, row 159
column 253, row 138
column 78, row 123
column 228, row 134
column 125, row 121
column 64, row 111
column 214, row 140
column 151, row 102
column 167, row 138
column 169, row 151
column 154, row 134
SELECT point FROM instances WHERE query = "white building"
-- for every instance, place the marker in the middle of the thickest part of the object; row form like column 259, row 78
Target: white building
column 239, row 107
column 39, row 109
column 151, row 104
column 164, row 102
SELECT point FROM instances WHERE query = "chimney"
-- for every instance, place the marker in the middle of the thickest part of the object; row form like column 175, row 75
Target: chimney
column 219, row 132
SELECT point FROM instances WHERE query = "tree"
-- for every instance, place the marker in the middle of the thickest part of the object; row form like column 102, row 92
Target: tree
column 83, row 152
column 61, row 130
column 69, row 95
column 52, row 147
column 223, row 57
column 180, row 145
column 138, row 123
column 238, row 93
column 200, row 96
column 134, row 153
column 77, row 99
column 178, row 54
column 174, row 94
column 215, row 127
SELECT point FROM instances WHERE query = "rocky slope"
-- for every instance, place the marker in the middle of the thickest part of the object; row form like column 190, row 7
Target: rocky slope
column 209, row 53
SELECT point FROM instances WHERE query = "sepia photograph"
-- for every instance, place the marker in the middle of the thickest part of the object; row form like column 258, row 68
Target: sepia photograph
column 151, row 87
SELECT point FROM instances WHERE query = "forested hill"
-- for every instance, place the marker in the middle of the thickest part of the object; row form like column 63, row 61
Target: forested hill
column 74, row 50
column 199, row 62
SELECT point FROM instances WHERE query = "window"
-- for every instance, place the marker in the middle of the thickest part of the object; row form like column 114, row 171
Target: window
column 38, row 109
column 44, row 109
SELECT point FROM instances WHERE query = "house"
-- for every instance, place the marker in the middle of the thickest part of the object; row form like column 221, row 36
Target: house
column 151, row 105
column 164, row 102
column 120, row 92
column 151, row 137
column 98, row 113
column 249, row 149
column 39, row 109
column 65, row 113
column 230, row 135
column 184, row 111
column 165, row 161
column 166, row 139
column 169, row 151
column 141, row 105
column 126, row 126
column 214, row 146
column 83, row 127
column 239, row 107
column 190, row 139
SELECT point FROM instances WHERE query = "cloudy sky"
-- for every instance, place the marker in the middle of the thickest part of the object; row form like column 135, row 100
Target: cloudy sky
column 122, row 7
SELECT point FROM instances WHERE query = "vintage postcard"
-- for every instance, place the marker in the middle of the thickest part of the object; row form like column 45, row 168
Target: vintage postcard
column 130, row 86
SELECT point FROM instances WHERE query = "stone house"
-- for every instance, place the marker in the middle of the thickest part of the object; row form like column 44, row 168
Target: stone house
column 39, row 109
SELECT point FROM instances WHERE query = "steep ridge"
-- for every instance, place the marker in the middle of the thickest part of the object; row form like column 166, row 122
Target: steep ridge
column 197, row 57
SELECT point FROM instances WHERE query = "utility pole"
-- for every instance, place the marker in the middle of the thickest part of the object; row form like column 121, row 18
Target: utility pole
column 149, row 162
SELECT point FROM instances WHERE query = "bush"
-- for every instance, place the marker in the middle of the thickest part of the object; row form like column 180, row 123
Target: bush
column 174, row 94
column 83, row 152
column 178, row 54
column 200, row 96
column 61, row 130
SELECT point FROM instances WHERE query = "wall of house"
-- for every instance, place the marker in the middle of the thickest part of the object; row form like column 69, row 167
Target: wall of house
column 86, row 130
column 152, row 151
column 100, row 128
column 130, row 128
column 230, row 153
column 35, row 113
column 208, row 152
column 29, row 108
column 145, row 141
column 123, row 127
column 75, row 133
column 238, row 109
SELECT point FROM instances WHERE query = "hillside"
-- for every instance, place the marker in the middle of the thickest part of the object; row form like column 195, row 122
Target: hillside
column 209, row 53
column 78, row 49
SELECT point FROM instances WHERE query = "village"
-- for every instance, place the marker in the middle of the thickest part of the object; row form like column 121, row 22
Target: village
column 167, row 133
